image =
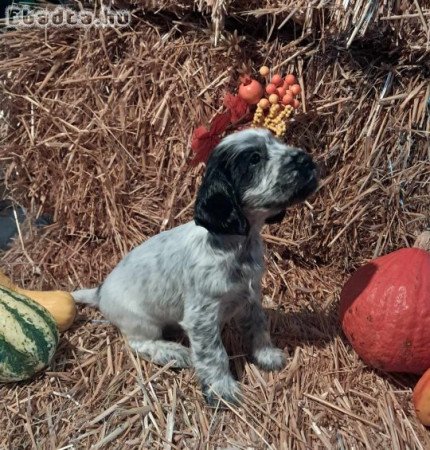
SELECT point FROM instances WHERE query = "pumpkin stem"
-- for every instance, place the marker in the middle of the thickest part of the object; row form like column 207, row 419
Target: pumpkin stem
column 423, row 241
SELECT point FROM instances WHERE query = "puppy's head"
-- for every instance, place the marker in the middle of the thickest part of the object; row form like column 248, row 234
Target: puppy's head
column 251, row 175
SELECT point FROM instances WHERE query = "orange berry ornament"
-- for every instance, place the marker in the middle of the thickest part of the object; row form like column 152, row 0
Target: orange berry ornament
column 264, row 71
column 273, row 99
column 270, row 88
column 276, row 79
column 295, row 89
column 287, row 99
column 290, row 79
column 281, row 91
column 264, row 103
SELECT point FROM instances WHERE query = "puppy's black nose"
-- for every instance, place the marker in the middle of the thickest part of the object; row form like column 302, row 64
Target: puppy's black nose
column 308, row 171
column 304, row 161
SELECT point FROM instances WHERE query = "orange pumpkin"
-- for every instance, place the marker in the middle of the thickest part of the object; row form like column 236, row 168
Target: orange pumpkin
column 385, row 311
column 421, row 399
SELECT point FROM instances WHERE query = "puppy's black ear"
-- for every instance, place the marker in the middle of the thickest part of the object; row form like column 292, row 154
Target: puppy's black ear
column 217, row 208
column 276, row 218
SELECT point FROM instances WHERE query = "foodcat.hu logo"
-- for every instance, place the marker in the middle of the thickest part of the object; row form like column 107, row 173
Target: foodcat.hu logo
column 19, row 15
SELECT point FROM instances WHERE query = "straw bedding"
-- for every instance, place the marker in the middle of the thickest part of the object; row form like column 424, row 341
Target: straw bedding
column 96, row 132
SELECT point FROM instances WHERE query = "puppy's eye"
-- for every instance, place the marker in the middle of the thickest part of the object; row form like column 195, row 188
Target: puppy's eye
column 255, row 158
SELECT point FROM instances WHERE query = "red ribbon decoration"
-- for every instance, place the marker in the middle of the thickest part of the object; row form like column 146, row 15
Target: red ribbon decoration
column 204, row 141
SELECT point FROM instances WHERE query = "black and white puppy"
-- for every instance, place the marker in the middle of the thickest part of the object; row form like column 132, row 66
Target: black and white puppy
column 202, row 274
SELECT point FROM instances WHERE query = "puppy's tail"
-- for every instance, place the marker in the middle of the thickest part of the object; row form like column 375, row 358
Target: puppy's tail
column 88, row 296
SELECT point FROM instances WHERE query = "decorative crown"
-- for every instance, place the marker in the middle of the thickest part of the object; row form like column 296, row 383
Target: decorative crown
column 255, row 105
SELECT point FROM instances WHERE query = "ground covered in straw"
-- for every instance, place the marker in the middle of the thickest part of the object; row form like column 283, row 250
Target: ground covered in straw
column 97, row 134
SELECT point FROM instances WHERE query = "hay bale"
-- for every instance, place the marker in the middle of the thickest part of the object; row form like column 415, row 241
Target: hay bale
column 98, row 134
column 348, row 21
column 90, row 117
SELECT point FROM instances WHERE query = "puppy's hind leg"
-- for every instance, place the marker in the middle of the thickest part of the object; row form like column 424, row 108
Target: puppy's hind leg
column 148, row 343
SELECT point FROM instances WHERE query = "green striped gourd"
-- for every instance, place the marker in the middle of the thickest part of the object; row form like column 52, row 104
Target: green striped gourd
column 28, row 336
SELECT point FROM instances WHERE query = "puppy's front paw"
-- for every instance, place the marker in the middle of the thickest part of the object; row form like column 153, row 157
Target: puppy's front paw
column 225, row 388
column 269, row 358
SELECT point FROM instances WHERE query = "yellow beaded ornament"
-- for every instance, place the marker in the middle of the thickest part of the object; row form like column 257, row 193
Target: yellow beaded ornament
column 258, row 117
column 270, row 113
column 276, row 118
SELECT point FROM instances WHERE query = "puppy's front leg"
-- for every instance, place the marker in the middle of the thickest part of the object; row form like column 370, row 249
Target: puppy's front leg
column 202, row 324
column 253, row 322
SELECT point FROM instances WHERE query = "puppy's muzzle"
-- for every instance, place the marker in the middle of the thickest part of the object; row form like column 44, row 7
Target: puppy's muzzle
column 301, row 175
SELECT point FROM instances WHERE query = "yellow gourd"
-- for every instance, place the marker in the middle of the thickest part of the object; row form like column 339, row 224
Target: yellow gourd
column 59, row 303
